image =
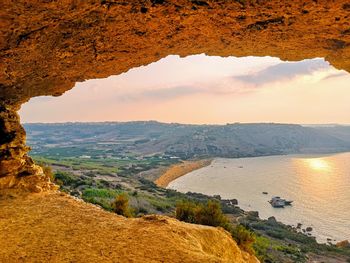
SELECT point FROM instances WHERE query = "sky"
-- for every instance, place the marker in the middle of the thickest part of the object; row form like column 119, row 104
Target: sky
column 206, row 90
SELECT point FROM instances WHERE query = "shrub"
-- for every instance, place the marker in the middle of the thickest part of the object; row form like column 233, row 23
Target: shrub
column 65, row 178
column 186, row 211
column 102, row 197
column 209, row 214
column 99, row 193
column 261, row 247
column 48, row 172
column 244, row 238
column 121, row 206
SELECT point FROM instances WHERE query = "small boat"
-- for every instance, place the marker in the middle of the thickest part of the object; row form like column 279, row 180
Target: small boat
column 265, row 193
column 278, row 202
column 288, row 202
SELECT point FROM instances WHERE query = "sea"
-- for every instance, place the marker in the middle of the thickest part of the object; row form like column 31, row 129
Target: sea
column 319, row 186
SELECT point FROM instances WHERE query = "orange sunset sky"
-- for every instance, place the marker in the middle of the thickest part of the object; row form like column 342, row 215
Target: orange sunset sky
column 201, row 89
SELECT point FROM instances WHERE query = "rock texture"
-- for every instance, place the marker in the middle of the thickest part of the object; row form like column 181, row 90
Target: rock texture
column 52, row 227
column 47, row 46
column 17, row 169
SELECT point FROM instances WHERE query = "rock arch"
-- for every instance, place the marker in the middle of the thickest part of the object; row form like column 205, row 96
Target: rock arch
column 47, row 46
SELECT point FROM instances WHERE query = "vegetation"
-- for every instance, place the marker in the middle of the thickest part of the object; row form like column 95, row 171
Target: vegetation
column 210, row 214
column 244, row 238
column 121, row 205
column 48, row 171
column 101, row 197
column 114, row 175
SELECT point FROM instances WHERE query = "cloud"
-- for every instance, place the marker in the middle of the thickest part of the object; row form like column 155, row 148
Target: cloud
column 283, row 71
column 170, row 93
column 335, row 75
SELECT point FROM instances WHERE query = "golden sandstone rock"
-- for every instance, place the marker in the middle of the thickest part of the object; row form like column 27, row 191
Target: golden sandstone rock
column 51, row 227
column 48, row 46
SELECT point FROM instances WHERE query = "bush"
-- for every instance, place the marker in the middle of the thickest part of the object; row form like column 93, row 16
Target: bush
column 121, row 206
column 261, row 247
column 65, row 178
column 209, row 214
column 102, row 197
column 99, row 193
column 186, row 211
column 244, row 238
column 48, row 172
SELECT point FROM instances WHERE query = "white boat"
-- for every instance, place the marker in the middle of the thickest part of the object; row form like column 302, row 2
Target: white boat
column 278, row 202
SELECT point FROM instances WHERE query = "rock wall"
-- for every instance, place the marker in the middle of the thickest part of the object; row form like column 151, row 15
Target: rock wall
column 17, row 169
column 47, row 46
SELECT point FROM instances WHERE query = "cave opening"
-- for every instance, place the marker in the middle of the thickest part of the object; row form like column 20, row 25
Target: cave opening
column 49, row 46
column 197, row 89
column 202, row 89
column 113, row 133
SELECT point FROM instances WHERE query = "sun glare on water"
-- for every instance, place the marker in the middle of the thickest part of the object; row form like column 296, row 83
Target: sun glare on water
column 318, row 164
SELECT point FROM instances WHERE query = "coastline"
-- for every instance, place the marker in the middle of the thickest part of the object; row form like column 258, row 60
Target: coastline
column 324, row 233
column 177, row 170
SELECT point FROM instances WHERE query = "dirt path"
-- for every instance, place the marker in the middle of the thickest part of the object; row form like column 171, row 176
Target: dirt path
column 53, row 227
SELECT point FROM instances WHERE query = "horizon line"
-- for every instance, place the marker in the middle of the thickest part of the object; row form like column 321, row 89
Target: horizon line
column 198, row 124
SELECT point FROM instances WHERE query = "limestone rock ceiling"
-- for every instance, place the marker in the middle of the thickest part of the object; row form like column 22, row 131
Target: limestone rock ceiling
column 47, row 46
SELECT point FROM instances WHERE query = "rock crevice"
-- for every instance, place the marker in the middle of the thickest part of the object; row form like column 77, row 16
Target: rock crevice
column 17, row 169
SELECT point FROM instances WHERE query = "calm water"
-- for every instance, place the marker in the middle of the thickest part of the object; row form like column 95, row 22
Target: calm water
column 319, row 186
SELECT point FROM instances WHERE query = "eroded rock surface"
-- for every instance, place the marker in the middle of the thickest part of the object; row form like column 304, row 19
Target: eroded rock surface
column 47, row 46
column 17, row 169
column 51, row 227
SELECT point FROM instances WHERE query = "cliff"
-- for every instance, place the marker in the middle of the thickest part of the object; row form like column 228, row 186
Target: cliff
column 54, row 227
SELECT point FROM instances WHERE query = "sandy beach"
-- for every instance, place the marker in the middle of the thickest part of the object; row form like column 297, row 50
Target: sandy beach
column 178, row 170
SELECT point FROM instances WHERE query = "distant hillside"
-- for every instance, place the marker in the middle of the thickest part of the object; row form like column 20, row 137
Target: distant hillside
column 186, row 141
column 338, row 131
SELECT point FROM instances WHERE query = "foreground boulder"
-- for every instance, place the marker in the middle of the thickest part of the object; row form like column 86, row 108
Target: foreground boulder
column 52, row 227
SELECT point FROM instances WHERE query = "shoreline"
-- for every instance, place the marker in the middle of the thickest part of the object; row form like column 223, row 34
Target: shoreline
column 180, row 169
column 323, row 235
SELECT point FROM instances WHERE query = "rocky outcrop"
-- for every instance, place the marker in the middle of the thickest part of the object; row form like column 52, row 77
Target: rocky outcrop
column 48, row 46
column 52, row 227
column 17, row 169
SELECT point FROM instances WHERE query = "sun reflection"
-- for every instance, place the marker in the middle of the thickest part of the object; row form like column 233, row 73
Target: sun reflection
column 318, row 164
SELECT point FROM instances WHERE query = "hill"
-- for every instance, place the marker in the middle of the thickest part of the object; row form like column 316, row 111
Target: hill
column 185, row 141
